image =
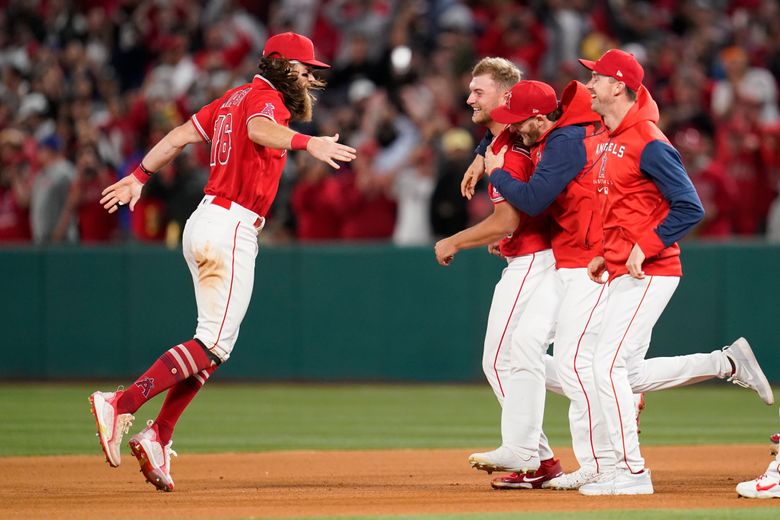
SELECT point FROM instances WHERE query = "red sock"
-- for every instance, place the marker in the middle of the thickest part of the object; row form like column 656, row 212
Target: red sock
column 176, row 364
column 179, row 396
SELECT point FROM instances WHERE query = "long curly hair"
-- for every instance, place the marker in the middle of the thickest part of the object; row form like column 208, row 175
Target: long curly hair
column 297, row 98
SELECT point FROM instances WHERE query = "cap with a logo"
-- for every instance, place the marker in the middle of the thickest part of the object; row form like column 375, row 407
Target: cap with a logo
column 526, row 99
column 293, row 47
column 620, row 65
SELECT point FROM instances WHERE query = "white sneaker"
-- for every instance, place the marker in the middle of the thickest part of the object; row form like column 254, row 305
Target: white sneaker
column 573, row 480
column 765, row 486
column 748, row 373
column 111, row 426
column 620, row 482
column 155, row 460
column 503, row 459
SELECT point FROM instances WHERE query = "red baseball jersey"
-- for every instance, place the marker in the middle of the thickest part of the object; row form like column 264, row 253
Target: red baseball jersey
column 576, row 230
column 533, row 233
column 632, row 205
column 241, row 170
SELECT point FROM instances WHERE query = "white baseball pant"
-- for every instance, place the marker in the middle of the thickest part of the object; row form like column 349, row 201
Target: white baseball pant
column 566, row 307
column 514, row 290
column 220, row 247
column 633, row 307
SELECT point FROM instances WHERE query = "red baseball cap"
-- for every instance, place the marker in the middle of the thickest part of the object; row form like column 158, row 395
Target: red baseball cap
column 526, row 99
column 620, row 65
column 293, row 47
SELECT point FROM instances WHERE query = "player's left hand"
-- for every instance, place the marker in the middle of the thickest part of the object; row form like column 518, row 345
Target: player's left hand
column 634, row 262
column 493, row 161
column 445, row 251
column 126, row 191
column 327, row 149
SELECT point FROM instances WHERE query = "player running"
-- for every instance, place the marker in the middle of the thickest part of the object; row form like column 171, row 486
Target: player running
column 648, row 203
column 247, row 129
column 525, row 243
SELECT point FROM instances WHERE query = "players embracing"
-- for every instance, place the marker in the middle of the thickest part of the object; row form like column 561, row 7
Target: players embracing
column 611, row 182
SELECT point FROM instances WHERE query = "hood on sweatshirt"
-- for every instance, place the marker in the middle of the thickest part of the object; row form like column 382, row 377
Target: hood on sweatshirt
column 644, row 109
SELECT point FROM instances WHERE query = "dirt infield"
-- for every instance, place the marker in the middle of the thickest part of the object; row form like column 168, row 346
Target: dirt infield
column 284, row 484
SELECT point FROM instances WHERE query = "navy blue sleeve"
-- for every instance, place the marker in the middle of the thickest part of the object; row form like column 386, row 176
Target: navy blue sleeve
column 662, row 163
column 564, row 157
column 484, row 143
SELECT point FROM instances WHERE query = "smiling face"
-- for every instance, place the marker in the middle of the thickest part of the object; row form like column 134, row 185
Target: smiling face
column 484, row 96
column 603, row 90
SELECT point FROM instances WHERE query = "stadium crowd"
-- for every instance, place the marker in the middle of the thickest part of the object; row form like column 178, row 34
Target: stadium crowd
column 86, row 86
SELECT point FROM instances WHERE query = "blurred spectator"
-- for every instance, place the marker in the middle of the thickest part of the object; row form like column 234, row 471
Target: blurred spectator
column 83, row 204
column 50, row 219
column 449, row 210
column 718, row 192
column 742, row 85
column 412, row 189
column 14, row 188
column 316, row 201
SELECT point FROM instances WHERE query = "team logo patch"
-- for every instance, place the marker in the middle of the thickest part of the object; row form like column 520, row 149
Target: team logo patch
column 268, row 111
column 146, row 385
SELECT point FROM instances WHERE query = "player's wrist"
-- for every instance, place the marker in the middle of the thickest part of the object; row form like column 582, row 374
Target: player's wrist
column 300, row 141
column 141, row 174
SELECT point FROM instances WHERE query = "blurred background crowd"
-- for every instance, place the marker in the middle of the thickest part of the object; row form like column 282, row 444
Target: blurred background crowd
column 86, row 87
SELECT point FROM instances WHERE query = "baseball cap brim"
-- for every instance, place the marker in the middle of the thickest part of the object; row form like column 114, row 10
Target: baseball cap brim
column 315, row 63
column 588, row 64
column 504, row 116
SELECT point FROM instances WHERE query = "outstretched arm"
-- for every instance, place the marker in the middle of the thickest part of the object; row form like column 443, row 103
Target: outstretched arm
column 498, row 225
column 327, row 149
column 128, row 189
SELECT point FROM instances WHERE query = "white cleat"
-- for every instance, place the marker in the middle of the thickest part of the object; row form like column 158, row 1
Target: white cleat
column 748, row 373
column 573, row 480
column 503, row 459
column 153, row 457
column 765, row 486
column 111, row 426
column 620, row 482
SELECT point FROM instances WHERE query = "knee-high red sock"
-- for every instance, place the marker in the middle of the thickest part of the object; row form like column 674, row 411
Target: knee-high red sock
column 179, row 396
column 176, row 364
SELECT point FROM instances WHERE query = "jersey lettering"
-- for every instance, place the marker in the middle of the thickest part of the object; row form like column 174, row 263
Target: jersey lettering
column 222, row 144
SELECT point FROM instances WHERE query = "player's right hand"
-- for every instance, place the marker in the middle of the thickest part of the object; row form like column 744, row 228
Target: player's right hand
column 472, row 176
column 495, row 249
column 126, row 191
column 328, row 150
column 445, row 251
column 596, row 269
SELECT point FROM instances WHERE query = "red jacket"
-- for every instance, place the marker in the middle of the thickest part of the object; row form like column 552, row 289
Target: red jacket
column 632, row 205
column 532, row 233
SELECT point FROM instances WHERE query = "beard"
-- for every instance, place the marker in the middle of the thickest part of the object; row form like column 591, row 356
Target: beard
column 305, row 100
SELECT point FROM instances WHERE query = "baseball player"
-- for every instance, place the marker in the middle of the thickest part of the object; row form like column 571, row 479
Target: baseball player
column 567, row 305
column 648, row 203
column 526, row 246
column 768, row 484
column 247, row 130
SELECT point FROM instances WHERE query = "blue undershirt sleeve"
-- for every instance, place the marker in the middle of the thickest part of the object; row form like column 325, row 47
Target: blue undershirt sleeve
column 484, row 143
column 662, row 163
column 564, row 157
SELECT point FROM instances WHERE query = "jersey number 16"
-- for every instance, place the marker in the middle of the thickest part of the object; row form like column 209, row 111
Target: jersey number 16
column 220, row 145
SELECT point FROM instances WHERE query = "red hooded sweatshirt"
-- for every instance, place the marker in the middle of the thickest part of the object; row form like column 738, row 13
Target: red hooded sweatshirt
column 645, row 193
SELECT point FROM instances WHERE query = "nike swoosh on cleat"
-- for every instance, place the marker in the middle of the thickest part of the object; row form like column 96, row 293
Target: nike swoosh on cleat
column 533, row 479
column 759, row 487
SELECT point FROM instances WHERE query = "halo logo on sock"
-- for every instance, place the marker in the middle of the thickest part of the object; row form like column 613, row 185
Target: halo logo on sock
column 146, row 385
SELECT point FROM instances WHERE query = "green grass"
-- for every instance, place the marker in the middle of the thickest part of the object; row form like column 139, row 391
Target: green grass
column 51, row 419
